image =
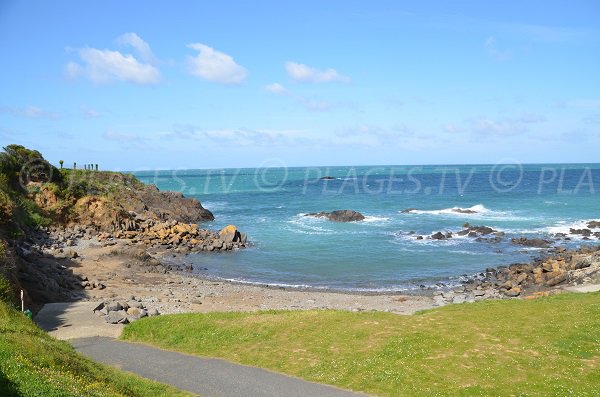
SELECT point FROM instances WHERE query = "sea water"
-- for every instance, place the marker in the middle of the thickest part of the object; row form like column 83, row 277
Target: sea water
column 382, row 252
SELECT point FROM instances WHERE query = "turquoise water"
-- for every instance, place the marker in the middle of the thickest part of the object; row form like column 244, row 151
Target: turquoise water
column 380, row 253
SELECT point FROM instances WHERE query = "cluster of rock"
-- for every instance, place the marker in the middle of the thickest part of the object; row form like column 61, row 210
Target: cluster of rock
column 480, row 233
column 41, row 268
column 173, row 234
column 124, row 311
column 544, row 273
column 339, row 215
column 585, row 233
column 522, row 279
column 472, row 291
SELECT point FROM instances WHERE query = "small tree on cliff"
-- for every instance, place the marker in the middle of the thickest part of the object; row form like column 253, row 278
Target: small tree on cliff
column 61, row 163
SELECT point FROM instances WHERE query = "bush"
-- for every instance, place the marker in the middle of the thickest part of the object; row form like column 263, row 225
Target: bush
column 7, row 292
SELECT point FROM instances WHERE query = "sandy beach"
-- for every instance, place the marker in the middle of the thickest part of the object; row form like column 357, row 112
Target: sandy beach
column 178, row 292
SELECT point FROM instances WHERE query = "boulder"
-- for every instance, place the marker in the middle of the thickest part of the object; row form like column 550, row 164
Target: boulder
column 134, row 313
column 555, row 278
column 116, row 317
column 408, row 210
column 531, row 242
column 513, row 292
column 230, row 234
column 339, row 215
column 439, row 236
column 113, row 306
column 153, row 312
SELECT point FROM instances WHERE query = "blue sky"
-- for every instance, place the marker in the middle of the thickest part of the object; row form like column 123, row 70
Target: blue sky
column 189, row 84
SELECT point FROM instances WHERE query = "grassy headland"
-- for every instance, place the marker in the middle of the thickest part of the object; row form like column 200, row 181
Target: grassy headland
column 547, row 346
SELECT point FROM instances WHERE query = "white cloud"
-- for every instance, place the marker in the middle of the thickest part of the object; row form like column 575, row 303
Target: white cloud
column 304, row 73
column 140, row 46
column 243, row 137
column 106, row 66
column 215, row 66
column 493, row 51
column 497, row 127
column 275, row 88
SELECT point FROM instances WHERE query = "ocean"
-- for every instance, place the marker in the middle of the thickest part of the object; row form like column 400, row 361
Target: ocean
column 382, row 252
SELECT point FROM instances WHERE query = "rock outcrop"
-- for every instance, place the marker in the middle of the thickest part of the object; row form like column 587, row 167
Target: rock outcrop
column 339, row 215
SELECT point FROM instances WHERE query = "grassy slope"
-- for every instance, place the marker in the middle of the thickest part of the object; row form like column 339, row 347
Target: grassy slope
column 549, row 346
column 34, row 364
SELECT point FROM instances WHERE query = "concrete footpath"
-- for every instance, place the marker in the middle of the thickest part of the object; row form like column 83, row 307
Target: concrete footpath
column 94, row 338
column 205, row 376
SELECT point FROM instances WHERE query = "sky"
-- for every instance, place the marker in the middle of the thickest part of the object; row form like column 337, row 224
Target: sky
column 144, row 85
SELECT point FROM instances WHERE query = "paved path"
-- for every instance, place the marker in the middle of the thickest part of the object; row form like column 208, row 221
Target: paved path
column 75, row 320
column 205, row 376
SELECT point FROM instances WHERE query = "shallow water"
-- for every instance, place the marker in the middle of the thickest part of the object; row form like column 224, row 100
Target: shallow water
column 380, row 253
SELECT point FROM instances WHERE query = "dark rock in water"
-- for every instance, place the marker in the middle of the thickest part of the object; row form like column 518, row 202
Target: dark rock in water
column 439, row 236
column 327, row 178
column 419, row 237
column 408, row 210
column 339, row 215
column 473, row 231
column 593, row 224
column 583, row 232
column 531, row 242
column 463, row 211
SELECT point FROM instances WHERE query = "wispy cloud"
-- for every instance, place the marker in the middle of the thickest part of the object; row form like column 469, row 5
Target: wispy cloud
column 493, row 51
column 31, row 112
column 106, row 66
column 307, row 74
column 275, row 88
column 489, row 126
column 141, row 48
column 215, row 66
column 375, row 135
column 245, row 137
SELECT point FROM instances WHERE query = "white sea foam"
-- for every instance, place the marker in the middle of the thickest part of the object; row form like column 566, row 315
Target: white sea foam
column 566, row 226
column 375, row 219
column 303, row 224
column 478, row 211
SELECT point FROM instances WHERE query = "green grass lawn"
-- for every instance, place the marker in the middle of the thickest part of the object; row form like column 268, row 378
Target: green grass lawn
column 543, row 347
column 34, row 364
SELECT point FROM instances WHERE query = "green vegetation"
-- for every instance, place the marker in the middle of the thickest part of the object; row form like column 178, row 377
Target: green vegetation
column 35, row 193
column 548, row 346
column 34, row 364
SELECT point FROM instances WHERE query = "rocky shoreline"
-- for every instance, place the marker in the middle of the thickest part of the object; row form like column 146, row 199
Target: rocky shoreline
column 82, row 264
